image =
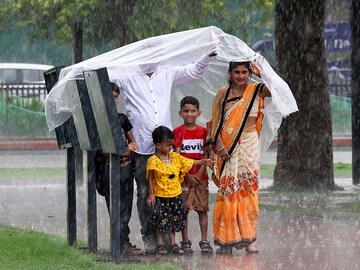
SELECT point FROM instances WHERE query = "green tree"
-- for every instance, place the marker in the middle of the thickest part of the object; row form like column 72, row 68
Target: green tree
column 5, row 17
column 305, row 157
column 123, row 21
column 238, row 17
column 53, row 19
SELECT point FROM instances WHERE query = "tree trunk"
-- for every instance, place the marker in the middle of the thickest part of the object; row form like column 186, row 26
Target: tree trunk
column 123, row 33
column 78, row 42
column 355, row 88
column 305, row 157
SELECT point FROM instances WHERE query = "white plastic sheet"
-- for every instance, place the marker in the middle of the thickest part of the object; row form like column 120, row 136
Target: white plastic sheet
column 173, row 50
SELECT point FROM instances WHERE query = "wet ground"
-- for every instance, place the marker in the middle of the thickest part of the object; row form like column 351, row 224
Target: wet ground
column 285, row 241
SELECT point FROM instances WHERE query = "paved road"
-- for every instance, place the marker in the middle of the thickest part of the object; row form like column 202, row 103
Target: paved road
column 286, row 241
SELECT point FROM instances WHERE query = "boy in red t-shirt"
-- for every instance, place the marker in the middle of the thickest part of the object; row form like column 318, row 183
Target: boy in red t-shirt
column 189, row 141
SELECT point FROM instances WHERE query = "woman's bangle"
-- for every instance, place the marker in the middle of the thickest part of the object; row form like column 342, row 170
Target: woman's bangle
column 209, row 143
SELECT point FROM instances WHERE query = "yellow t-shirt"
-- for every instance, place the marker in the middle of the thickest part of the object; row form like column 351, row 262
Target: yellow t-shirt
column 168, row 177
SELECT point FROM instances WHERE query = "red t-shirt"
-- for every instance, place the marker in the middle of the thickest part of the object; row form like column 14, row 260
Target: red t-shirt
column 191, row 143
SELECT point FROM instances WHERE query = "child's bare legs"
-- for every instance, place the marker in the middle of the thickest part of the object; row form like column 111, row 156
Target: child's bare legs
column 172, row 238
column 203, row 221
column 160, row 248
column 159, row 238
column 186, row 243
column 174, row 248
column 204, row 243
column 184, row 233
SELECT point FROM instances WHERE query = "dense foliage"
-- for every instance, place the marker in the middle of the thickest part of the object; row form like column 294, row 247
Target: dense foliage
column 124, row 21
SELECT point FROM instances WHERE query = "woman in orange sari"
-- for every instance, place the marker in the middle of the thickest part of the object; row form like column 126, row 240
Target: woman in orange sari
column 233, row 133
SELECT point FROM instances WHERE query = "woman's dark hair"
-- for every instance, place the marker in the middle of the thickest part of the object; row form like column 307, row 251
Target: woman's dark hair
column 162, row 134
column 233, row 65
column 115, row 88
column 190, row 100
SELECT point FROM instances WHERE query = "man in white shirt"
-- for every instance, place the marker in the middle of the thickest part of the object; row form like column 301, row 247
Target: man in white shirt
column 147, row 105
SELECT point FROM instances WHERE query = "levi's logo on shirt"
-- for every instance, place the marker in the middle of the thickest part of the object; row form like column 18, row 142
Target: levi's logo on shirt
column 192, row 146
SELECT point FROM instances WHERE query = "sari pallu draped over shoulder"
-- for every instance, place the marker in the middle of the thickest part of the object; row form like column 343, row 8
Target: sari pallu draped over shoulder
column 230, row 125
column 236, row 211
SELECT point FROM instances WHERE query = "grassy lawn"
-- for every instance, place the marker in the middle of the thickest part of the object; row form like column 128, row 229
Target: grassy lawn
column 332, row 205
column 267, row 170
column 340, row 169
column 31, row 173
column 24, row 249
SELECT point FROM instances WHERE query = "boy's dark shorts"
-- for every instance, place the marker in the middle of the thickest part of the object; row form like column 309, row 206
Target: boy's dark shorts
column 197, row 197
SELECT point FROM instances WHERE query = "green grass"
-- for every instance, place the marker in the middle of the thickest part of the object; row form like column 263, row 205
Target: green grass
column 267, row 170
column 25, row 249
column 31, row 173
column 353, row 207
column 345, row 211
column 335, row 205
column 340, row 169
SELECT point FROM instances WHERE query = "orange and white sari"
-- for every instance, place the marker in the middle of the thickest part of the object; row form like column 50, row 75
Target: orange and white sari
column 236, row 211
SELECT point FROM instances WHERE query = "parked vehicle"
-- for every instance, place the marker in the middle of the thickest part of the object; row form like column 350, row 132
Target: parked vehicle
column 24, row 80
column 17, row 73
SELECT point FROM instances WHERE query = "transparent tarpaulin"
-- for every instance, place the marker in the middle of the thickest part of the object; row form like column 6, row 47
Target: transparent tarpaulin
column 178, row 49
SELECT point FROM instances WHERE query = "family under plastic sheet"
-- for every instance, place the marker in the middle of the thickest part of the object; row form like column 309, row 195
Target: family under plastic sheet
column 246, row 113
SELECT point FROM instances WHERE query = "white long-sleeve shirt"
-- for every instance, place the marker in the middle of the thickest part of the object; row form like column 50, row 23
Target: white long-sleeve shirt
column 147, row 99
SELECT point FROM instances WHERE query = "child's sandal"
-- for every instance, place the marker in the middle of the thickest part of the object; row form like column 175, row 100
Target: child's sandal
column 186, row 247
column 205, row 247
column 174, row 249
column 161, row 250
